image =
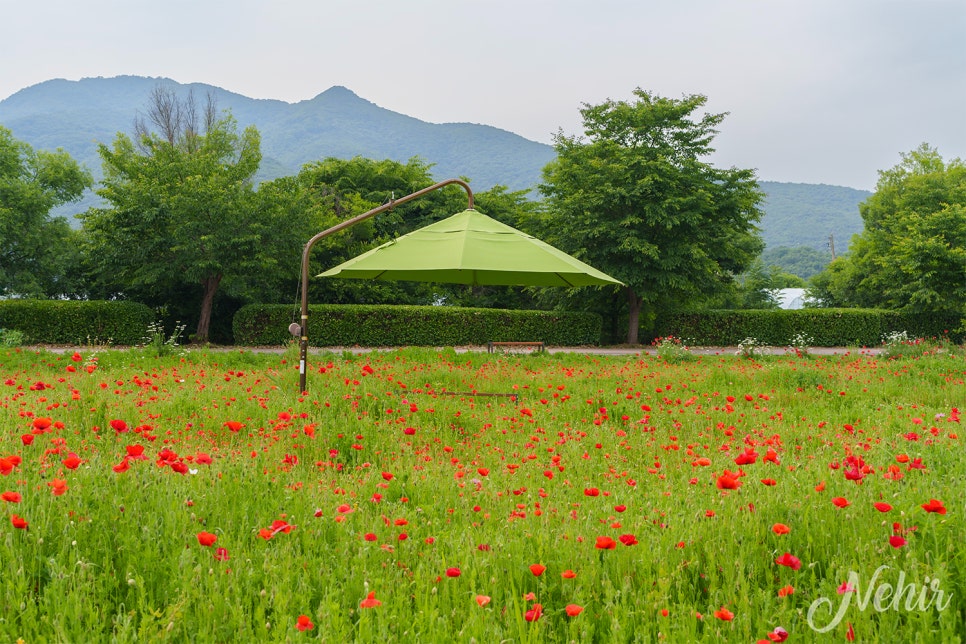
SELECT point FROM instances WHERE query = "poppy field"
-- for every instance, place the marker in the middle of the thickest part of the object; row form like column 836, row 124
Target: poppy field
column 423, row 495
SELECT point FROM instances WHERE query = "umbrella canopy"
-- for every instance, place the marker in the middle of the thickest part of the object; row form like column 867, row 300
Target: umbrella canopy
column 471, row 248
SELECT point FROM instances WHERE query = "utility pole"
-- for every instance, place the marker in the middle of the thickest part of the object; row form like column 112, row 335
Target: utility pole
column 831, row 245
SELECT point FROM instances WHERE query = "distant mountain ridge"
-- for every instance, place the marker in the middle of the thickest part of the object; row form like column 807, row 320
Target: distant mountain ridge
column 77, row 115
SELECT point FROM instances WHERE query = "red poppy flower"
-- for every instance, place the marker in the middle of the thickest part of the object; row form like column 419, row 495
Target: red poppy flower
column 769, row 482
column 591, row 491
column 369, row 536
column 840, row 502
column 789, row 560
column 747, row 457
column 605, row 543
column 786, row 591
column 206, row 538
column 628, row 539
column 780, row 528
column 568, row 574
column 41, row 423
column 119, row 426
column 58, row 487
column 304, row 623
column 11, row 497
column 482, row 600
column 728, row 482
column 896, row 541
column 71, row 462
column 27, row 439
column 453, row 572
column 18, row 522
column 534, row 613
column 221, row 554
column 234, row 425
column 778, row 635
column 123, row 466
column 573, row 610
column 370, row 601
column 724, row 614
column 537, row 569
column 934, row 505
column 882, row 507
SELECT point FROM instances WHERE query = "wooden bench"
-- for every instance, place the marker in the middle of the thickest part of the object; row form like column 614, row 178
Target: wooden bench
column 489, row 345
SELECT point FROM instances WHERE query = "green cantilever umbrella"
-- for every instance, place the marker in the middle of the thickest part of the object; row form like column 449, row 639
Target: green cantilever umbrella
column 471, row 248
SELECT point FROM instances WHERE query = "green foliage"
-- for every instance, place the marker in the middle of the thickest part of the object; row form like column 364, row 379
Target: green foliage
column 672, row 350
column 803, row 261
column 38, row 256
column 11, row 338
column 76, row 322
column 911, row 255
column 182, row 218
column 751, row 347
column 159, row 344
column 390, row 326
column 636, row 201
column 827, row 327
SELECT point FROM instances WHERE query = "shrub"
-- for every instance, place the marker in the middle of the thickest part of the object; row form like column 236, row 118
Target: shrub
column 10, row 338
column 76, row 322
column 387, row 326
column 672, row 350
column 827, row 327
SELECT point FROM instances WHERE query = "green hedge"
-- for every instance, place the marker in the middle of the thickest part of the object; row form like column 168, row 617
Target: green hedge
column 827, row 327
column 77, row 322
column 332, row 325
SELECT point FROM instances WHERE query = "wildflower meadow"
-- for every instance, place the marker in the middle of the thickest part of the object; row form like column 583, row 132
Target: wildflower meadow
column 422, row 495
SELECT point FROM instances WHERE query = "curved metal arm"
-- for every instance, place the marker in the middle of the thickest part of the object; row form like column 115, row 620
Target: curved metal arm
column 303, row 326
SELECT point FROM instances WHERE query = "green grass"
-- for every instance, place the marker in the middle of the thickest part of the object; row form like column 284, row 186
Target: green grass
column 393, row 469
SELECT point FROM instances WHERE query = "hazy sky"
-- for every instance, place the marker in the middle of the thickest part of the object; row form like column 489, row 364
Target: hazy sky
column 817, row 91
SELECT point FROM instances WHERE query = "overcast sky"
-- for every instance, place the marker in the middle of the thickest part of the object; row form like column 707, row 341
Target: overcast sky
column 817, row 91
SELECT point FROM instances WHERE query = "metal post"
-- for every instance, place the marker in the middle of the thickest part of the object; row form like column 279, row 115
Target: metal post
column 303, row 322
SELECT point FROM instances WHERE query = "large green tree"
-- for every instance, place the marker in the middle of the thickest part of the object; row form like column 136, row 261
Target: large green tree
column 182, row 219
column 635, row 198
column 38, row 256
column 911, row 254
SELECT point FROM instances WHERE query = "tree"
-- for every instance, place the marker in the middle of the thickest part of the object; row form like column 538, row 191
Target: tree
column 38, row 256
column 183, row 218
column 635, row 200
column 911, row 254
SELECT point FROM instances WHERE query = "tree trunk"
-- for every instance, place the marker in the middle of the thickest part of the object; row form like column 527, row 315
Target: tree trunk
column 634, row 304
column 210, row 284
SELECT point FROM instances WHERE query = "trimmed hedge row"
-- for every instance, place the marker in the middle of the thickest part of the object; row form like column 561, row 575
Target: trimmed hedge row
column 826, row 327
column 332, row 325
column 76, row 322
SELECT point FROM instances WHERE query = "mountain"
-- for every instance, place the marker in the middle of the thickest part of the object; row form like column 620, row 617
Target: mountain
column 77, row 115
column 807, row 214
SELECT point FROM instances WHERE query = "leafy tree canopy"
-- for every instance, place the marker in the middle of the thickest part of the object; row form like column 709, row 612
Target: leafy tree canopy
column 38, row 256
column 182, row 218
column 634, row 198
column 911, row 254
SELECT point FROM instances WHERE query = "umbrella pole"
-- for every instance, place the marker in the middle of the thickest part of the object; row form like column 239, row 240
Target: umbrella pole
column 303, row 322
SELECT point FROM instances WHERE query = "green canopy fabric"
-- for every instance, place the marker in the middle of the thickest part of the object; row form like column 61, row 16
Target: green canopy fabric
column 471, row 248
